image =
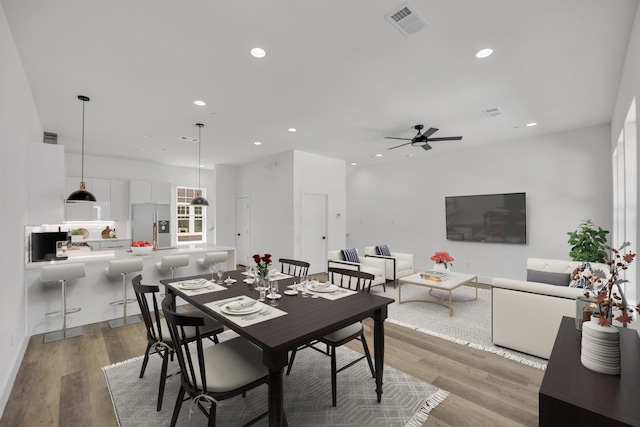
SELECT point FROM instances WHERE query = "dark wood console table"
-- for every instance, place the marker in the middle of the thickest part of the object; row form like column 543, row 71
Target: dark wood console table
column 572, row 395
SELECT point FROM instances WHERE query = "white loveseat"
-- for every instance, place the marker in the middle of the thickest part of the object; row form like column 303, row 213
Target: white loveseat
column 526, row 315
column 375, row 266
column 396, row 266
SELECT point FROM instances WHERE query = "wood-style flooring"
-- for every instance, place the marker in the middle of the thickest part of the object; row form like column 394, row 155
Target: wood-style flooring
column 62, row 384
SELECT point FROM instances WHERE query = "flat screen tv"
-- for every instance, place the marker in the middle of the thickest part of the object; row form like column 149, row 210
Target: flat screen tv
column 489, row 218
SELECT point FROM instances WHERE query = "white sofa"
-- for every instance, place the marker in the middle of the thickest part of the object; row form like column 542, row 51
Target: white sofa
column 375, row 266
column 526, row 315
column 396, row 266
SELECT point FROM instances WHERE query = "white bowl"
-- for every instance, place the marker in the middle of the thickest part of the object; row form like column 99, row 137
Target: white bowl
column 141, row 250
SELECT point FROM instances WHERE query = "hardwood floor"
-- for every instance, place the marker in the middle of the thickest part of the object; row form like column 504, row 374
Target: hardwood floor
column 62, row 384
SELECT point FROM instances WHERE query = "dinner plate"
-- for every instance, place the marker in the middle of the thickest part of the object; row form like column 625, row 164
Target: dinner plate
column 193, row 284
column 253, row 309
column 290, row 292
column 330, row 288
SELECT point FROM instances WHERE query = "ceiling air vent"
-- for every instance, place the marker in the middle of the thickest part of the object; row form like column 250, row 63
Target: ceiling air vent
column 50, row 138
column 186, row 138
column 406, row 20
column 493, row 112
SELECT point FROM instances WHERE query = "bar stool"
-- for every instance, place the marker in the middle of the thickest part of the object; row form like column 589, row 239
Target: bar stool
column 121, row 267
column 171, row 262
column 211, row 258
column 62, row 273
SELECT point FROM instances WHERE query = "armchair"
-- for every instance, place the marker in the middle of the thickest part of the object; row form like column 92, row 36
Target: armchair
column 397, row 264
column 370, row 265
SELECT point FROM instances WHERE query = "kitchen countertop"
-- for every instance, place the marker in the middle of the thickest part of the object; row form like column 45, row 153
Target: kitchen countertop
column 88, row 256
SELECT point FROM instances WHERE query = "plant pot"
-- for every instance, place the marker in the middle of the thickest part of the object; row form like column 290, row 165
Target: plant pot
column 600, row 350
column 438, row 266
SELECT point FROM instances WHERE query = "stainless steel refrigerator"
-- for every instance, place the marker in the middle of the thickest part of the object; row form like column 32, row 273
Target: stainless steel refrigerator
column 143, row 217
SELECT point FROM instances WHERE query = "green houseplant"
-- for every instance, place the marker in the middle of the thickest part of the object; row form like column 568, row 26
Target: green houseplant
column 587, row 243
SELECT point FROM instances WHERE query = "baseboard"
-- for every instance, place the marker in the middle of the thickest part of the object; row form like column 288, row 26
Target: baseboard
column 13, row 373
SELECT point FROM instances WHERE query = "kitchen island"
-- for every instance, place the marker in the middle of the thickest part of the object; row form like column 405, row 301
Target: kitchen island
column 96, row 290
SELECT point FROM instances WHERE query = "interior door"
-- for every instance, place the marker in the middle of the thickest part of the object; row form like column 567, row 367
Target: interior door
column 243, row 230
column 314, row 231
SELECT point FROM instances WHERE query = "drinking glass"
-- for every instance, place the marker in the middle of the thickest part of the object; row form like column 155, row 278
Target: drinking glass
column 273, row 286
column 220, row 272
column 303, row 289
column 212, row 269
column 263, row 292
column 314, row 282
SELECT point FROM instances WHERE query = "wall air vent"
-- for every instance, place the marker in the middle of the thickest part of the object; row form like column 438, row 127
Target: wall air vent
column 50, row 138
column 186, row 138
column 493, row 112
column 406, row 20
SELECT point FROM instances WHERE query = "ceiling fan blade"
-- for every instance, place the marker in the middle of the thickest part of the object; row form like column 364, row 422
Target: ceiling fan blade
column 429, row 132
column 401, row 145
column 393, row 137
column 446, row 138
column 426, row 147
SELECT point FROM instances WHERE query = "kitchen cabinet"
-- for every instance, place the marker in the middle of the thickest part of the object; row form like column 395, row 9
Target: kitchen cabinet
column 110, row 244
column 46, row 184
column 119, row 200
column 98, row 211
column 141, row 191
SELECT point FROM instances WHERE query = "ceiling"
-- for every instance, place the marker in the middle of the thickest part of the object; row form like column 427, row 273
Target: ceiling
column 337, row 71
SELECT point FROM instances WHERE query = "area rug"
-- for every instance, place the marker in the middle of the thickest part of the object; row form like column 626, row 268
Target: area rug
column 470, row 324
column 406, row 401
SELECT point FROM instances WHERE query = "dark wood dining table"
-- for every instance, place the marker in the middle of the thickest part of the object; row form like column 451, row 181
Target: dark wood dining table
column 306, row 319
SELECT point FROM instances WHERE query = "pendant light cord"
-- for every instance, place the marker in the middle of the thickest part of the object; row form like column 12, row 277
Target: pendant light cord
column 83, row 102
column 199, row 151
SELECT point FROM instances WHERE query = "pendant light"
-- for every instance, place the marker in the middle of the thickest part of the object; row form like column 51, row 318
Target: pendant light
column 82, row 195
column 199, row 200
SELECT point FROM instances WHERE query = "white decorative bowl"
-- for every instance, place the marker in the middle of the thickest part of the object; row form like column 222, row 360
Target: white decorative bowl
column 141, row 250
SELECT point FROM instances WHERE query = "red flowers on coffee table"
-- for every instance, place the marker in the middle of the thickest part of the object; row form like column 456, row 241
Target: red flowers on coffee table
column 442, row 258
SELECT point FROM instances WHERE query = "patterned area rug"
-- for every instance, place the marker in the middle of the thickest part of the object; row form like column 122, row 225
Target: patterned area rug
column 406, row 401
column 470, row 324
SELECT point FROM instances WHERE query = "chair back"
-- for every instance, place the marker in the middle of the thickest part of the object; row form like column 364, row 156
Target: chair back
column 59, row 272
column 294, row 267
column 173, row 261
column 351, row 279
column 123, row 266
column 192, row 365
column 214, row 257
column 150, row 313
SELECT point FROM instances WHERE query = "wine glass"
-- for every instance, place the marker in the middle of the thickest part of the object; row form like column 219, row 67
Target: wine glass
column 212, row 269
column 220, row 273
column 273, row 287
column 314, row 282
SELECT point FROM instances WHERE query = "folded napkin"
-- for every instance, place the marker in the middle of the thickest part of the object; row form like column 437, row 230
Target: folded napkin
column 322, row 285
column 240, row 305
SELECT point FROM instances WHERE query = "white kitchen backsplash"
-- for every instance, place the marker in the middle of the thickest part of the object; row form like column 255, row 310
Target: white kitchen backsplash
column 94, row 228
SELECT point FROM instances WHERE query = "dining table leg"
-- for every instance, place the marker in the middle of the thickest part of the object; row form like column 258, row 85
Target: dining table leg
column 378, row 347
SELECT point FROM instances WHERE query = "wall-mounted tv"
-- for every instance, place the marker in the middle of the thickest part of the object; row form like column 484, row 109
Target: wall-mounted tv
column 489, row 218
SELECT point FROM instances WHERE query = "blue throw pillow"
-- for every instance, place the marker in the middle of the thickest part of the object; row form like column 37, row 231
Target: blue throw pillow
column 558, row 279
column 350, row 255
column 383, row 250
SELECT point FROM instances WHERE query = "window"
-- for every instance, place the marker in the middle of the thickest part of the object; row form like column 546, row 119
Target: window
column 191, row 219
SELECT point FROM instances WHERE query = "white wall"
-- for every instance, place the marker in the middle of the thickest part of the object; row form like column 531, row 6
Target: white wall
column 19, row 125
column 567, row 178
column 629, row 89
column 225, row 205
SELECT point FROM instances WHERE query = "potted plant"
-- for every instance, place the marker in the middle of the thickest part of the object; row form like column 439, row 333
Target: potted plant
column 77, row 235
column 587, row 243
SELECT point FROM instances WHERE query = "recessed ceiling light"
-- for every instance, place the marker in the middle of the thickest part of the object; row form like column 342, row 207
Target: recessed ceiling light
column 532, row 124
column 378, row 155
column 257, row 143
column 200, row 103
column 483, row 53
column 258, row 52
column 201, row 166
column 292, row 129
column 353, row 164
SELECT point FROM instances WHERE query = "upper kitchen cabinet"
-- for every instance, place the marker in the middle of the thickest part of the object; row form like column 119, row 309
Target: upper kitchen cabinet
column 141, row 191
column 46, row 184
column 119, row 200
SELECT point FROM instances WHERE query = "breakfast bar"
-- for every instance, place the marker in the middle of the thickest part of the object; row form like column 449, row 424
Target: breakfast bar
column 93, row 293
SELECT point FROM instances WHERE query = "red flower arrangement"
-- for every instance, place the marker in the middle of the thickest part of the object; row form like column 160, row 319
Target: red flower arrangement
column 263, row 263
column 442, row 258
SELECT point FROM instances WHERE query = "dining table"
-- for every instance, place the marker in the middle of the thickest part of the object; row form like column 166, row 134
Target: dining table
column 299, row 321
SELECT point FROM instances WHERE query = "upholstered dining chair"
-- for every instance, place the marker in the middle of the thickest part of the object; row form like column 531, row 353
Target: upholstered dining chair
column 158, row 337
column 354, row 280
column 215, row 373
column 294, row 267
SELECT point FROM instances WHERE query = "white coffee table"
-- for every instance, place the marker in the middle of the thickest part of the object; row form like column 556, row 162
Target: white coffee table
column 454, row 282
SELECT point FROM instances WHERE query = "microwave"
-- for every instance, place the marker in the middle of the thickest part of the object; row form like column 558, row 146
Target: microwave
column 49, row 246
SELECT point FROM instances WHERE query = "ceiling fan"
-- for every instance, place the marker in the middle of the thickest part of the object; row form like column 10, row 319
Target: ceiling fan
column 422, row 139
